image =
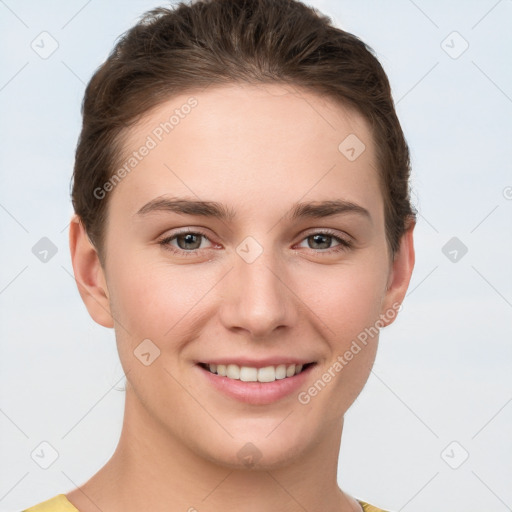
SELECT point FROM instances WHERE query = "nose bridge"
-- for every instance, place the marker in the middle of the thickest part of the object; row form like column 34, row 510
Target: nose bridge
column 259, row 302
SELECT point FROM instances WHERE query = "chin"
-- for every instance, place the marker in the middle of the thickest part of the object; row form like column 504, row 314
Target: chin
column 259, row 449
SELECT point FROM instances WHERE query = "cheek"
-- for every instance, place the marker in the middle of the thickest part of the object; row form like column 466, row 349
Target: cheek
column 165, row 303
column 157, row 300
column 347, row 298
column 347, row 301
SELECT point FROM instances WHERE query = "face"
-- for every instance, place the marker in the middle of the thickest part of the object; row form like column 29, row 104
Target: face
column 249, row 236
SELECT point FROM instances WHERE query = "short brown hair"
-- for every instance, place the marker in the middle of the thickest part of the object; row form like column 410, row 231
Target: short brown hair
column 176, row 50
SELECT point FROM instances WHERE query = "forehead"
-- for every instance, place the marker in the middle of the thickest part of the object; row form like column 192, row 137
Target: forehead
column 250, row 145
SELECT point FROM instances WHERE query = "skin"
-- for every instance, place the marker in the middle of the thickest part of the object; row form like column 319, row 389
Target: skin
column 258, row 150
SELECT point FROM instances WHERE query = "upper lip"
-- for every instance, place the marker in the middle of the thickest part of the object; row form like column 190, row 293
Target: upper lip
column 258, row 363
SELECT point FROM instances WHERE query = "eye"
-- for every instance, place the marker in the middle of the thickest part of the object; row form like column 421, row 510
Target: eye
column 187, row 242
column 321, row 241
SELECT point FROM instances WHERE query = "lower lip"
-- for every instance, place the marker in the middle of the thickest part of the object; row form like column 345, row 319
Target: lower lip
column 257, row 393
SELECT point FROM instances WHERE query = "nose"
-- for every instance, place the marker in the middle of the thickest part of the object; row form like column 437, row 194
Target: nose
column 257, row 298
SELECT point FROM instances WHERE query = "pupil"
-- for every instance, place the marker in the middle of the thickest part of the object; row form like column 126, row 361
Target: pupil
column 191, row 238
column 188, row 239
column 319, row 237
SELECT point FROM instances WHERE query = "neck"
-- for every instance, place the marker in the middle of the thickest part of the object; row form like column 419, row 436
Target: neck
column 153, row 470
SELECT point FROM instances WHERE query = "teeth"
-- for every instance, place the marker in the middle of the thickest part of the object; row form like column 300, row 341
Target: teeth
column 267, row 374
column 290, row 370
column 250, row 374
column 281, row 371
column 233, row 371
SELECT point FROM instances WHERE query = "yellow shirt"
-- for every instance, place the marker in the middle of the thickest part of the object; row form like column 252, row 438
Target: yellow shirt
column 61, row 504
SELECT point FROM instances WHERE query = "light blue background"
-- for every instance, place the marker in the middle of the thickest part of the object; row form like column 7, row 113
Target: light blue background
column 443, row 371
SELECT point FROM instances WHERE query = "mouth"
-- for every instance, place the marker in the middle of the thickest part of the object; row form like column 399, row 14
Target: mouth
column 269, row 373
column 262, row 383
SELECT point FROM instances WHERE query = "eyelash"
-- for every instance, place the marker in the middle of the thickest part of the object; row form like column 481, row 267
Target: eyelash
column 344, row 245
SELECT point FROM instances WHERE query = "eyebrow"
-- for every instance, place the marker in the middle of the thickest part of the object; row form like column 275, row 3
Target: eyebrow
column 312, row 209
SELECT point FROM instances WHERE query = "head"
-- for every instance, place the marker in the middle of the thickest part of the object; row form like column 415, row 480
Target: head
column 249, row 108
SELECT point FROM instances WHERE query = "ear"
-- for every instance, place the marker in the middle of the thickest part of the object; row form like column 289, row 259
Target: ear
column 89, row 274
column 399, row 277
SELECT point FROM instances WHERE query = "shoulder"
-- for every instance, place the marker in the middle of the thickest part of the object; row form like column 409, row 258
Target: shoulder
column 60, row 503
column 56, row 504
column 369, row 508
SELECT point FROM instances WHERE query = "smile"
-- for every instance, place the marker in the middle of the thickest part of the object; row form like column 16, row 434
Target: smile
column 256, row 382
column 252, row 374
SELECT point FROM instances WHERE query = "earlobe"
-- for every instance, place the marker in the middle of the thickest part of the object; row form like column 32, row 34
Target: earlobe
column 399, row 277
column 89, row 274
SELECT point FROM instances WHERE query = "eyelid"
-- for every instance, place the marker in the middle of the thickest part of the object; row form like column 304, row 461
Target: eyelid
column 165, row 240
column 345, row 237
column 345, row 243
